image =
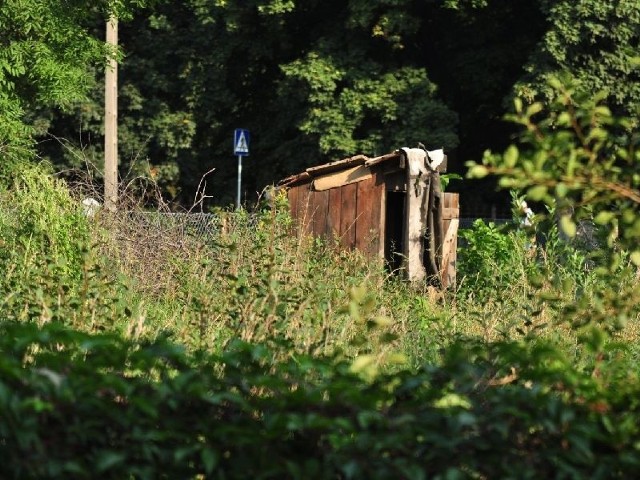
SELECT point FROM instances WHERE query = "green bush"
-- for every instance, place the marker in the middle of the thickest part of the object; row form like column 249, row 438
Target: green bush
column 50, row 269
column 493, row 259
column 581, row 161
column 74, row 405
column 288, row 362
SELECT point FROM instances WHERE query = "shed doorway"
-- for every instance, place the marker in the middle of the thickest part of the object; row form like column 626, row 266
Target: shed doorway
column 394, row 213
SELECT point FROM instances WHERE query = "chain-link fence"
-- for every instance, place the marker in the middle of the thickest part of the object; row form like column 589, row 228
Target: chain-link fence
column 202, row 225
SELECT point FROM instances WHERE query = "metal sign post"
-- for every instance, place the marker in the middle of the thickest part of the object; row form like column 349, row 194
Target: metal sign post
column 238, row 194
column 241, row 149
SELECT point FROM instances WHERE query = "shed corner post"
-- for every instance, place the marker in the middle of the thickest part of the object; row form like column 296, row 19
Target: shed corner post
column 414, row 228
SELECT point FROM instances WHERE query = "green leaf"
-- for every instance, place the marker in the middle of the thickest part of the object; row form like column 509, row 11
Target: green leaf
column 635, row 257
column 568, row 226
column 555, row 83
column 210, row 459
column 450, row 400
column 534, row 108
column 603, row 217
column 107, row 460
column 382, row 321
column 511, row 156
column 564, row 119
column 477, row 171
column 362, row 363
column 517, row 103
column 561, row 190
column 537, row 192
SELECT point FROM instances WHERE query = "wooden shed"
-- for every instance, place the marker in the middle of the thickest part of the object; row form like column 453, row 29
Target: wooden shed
column 391, row 206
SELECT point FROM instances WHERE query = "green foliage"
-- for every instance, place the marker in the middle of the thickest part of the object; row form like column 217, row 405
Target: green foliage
column 75, row 405
column 311, row 80
column 278, row 69
column 595, row 41
column 49, row 270
column 493, row 259
column 393, row 108
column 272, row 282
column 581, row 161
column 288, row 356
column 47, row 48
column 40, row 219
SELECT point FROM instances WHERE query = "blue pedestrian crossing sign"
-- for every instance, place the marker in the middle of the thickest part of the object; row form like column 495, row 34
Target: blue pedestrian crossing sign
column 241, row 142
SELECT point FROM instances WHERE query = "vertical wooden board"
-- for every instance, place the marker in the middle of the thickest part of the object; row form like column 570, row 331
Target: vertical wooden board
column 450, row 211
column 348, row 197
column 303, row 211
column 319, row 206
column 450, row 243
column 311, row 210
column 416, row 213
column 449, row 254
column 364, row 204
column 334, row 211
column 292, row 196
column 446, row 221
column 377, row 216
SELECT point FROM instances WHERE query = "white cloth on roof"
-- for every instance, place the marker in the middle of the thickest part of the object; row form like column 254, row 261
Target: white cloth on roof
column 419, row 159
column 436, row 157
column 416, row 157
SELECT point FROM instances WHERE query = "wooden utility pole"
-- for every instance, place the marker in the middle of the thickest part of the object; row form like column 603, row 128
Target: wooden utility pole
column 111, row 121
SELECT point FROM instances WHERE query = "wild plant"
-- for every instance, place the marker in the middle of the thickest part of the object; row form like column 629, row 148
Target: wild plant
column 581, row 161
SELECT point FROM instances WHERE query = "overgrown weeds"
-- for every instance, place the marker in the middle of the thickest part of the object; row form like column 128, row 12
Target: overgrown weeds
column 254, row 278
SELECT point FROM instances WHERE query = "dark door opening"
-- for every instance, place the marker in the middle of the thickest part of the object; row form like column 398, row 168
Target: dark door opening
column 394, row 230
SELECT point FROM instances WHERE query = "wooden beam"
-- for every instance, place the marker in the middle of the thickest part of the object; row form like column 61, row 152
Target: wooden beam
column 451, row 222
column 334, row 213
column 337, row 165
column 292, row 180
column 111, row 121
column 383, row 158
column 416, row 212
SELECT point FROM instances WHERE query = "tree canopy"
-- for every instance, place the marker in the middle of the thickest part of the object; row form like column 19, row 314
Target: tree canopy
column 313, row 81
column 47, row 48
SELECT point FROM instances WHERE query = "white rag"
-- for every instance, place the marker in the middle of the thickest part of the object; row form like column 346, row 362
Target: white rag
column 419, row 159
column 416, row 158
column 436, row 157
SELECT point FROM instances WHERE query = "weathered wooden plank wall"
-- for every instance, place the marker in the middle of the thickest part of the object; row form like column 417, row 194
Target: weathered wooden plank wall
column 319, row 206
column 450, row 224
column 354, row 215
column 334, row 214
column 369, row 222
column 349, row 195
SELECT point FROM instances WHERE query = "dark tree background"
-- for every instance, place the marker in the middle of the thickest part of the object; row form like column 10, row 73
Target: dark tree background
column 316, row 81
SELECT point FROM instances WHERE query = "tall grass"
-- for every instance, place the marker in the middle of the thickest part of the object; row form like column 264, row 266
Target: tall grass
column 258, row 279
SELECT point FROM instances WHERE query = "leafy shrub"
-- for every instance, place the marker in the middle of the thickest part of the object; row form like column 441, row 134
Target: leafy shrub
column 43, row 234
column 492, row 259
column 257, row 278
column 50, row 271
column 39, row 217
column 74, row 405
column 581, row 161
